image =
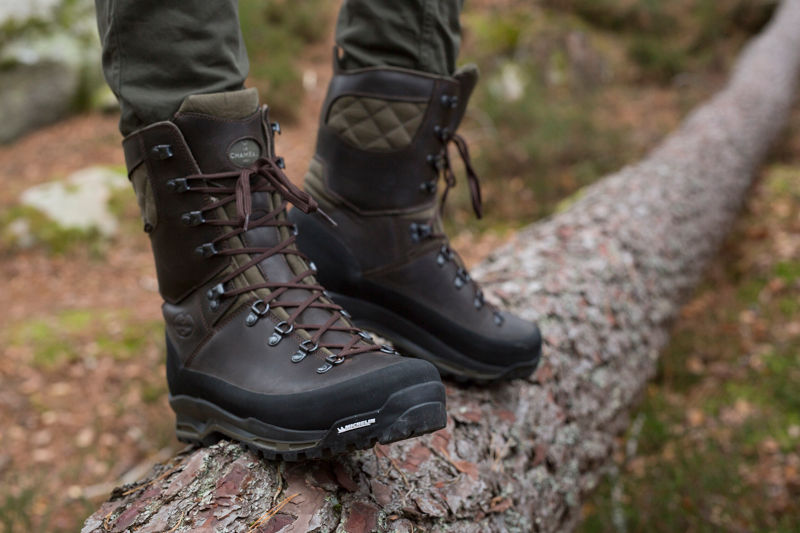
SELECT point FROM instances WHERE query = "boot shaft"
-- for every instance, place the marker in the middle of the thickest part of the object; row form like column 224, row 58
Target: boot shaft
column 381, row 137
column 159, row 157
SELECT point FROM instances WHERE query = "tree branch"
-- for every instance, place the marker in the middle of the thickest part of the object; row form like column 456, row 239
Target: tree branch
column 605, row 279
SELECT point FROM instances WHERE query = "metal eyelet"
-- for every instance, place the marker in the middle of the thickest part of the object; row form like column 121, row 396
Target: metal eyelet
column 206, row 250
column 498, row 319
column 215, row 292
column 436, row 161
column 305, row 348
column 280, row 163
column 257, row 310
column 443, row 133
column 330, row 362
column 428, row 186
column 162, row 151
column 275, row 127
column 312, row 266
column 419, row 231
column 324, row 368
column 444, row 255
column 478, row 301
column 461, row 279
column 178, row 185
column 345, row 314
column 364, row 335
column 335, row 359
column 282, row 329
column 193, row 218
column 385, row 348
column 449, row 101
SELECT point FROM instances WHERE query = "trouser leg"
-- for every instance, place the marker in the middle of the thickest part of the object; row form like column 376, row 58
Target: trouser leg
column 157, row 52
column 415, row 34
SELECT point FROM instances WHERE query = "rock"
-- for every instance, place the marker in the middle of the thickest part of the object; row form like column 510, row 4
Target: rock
column 32, row 96
column 50, row 57
column 80, row 201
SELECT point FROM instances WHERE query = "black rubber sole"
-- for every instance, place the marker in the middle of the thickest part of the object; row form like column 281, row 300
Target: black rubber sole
column 449, row 362
column 407, row 413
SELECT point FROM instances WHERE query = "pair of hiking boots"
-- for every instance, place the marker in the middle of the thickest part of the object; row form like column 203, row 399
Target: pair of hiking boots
column 257, row 349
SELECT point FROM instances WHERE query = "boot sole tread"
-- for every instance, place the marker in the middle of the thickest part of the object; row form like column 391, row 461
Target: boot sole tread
column 407, row 413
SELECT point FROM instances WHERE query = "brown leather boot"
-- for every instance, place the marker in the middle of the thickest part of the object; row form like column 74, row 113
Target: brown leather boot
column 383, row 145
column 255, row 349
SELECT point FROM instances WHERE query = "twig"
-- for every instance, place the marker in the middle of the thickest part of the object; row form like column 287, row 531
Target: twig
column 394, row 465
column 178, row 523
column 272, row 512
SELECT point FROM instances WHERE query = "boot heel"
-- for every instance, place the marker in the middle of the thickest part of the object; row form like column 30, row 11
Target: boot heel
column 193, row 431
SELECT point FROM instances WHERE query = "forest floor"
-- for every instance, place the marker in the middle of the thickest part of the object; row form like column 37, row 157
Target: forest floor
column 716, row 442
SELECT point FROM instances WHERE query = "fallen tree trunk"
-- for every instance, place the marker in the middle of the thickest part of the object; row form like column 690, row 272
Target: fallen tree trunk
column 604, row 278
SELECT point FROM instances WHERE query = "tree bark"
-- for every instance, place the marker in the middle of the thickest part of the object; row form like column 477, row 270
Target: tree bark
column 605, row 279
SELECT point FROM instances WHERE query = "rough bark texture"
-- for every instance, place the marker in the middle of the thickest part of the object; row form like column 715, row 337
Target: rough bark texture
column 604, row 278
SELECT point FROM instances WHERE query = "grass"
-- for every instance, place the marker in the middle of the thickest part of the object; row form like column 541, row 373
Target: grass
column 15, row 515
column 73, row 335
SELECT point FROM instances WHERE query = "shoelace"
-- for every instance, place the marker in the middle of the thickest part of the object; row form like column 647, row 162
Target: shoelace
column 265, row 176
column 445, row 253
column 450, row 176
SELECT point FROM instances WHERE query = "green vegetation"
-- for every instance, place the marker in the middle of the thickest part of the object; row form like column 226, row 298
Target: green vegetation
column 276, row 33
column 565, row 81
column 23, row 227
column 70, row 18
column 72, row 335
column 15, row 515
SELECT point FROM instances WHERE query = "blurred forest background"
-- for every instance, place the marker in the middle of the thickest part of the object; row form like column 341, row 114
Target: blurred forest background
column 571, row 90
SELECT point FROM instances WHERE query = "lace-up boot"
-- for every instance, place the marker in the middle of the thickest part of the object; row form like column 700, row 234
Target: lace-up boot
column 383, row 153
column 256, row 351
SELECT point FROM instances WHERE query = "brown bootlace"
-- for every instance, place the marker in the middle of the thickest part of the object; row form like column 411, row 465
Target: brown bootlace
column 450, row 176
column 446, row 253
column 265, row 176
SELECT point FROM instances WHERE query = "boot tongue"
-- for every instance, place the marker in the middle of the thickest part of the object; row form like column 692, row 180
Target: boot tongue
column 225, row 131
column 230, row 104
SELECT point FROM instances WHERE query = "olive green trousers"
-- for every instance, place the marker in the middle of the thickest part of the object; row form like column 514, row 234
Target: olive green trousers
column 157, row 52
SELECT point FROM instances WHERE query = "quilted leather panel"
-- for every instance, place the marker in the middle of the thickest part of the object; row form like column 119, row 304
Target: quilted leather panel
column 374, row 124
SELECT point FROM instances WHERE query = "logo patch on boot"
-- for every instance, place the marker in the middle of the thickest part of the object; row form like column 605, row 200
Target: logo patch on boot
column 183, row 324
column 244, row 152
